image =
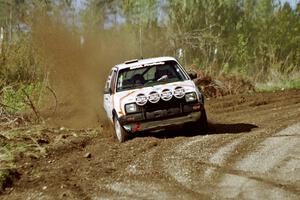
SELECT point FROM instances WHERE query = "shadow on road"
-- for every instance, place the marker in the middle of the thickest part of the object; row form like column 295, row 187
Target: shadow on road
column 230, row 128
column 213, row 128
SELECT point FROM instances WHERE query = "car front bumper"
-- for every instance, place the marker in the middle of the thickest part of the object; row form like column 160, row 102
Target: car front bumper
column 162, row 123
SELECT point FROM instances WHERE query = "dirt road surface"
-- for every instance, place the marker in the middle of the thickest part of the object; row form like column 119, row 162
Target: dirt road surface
column 252, row 151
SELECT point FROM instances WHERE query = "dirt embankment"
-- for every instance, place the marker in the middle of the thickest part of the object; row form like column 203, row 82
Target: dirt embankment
column 250, row 152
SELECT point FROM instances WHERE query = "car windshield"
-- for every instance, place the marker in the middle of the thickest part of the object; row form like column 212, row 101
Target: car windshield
column 149, row 75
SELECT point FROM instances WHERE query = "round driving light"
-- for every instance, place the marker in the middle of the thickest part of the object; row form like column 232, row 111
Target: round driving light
column 179, row 92
column 141, row 99
column 166, row 95
column 153, row 97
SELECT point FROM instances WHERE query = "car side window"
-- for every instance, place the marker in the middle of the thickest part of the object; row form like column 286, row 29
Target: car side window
column 113, row 81
column 107, row 83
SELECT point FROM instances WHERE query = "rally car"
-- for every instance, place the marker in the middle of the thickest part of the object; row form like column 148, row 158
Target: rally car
column 152, row 95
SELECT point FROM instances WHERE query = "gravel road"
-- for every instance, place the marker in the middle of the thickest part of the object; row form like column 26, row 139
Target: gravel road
column 252, row 151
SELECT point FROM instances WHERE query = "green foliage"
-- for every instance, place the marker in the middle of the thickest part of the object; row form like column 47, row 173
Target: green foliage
column 15, row 99
column 19, row 63
column 277, row 80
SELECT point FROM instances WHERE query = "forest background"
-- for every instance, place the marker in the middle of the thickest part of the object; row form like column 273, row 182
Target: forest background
column 256, row 40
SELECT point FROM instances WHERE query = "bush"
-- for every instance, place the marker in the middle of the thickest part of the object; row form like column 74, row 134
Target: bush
column 19, row 62
column 15, row 99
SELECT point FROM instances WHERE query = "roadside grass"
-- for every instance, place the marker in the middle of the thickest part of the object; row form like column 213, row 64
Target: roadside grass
column 277, row 81
column 234, row 82
column 33, row 142
column 14, row 96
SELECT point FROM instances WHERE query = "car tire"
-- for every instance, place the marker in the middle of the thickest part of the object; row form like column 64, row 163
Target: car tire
column 202, row 122
column 201, row 125
column 120, row 132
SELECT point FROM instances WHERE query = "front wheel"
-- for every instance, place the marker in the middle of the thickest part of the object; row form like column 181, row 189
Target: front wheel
column 121, row 134
column 200, row 125
column 202, row 122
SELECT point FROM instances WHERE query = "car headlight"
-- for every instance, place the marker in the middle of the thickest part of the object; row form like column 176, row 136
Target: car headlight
column 131, row 108
column 190, row 97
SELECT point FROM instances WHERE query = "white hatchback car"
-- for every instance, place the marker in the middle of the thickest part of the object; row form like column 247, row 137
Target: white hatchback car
column 152, row 94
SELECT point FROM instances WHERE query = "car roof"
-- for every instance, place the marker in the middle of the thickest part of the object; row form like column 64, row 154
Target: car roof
column 132, row 63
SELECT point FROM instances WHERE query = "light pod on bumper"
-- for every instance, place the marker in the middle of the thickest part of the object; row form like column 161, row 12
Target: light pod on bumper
column 179, row 92
column 141, row 99
column 153, row 97
column 166, row 94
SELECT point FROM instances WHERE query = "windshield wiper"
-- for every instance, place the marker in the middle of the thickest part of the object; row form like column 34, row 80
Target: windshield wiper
column 164, row 77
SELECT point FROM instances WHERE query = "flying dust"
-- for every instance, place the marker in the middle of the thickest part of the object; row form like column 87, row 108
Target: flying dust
column 76, row 70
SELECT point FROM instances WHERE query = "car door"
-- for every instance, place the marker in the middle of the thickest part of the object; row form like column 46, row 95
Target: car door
column 109, row 91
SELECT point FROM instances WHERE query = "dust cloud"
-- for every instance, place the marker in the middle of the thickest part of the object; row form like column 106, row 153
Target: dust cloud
column 76, row 66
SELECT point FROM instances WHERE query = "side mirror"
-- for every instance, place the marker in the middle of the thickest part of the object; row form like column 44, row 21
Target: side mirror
column 192, row 74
